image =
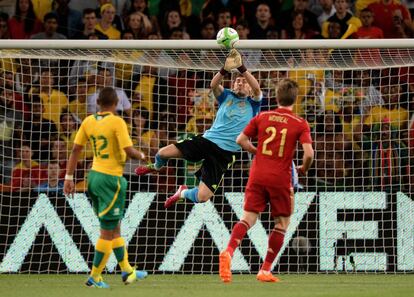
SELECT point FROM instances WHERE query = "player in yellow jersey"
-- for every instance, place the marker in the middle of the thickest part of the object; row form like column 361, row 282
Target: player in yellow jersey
column 111, row 144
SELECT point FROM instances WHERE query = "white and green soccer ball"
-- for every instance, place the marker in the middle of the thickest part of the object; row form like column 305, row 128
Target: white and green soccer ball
column 227, row 37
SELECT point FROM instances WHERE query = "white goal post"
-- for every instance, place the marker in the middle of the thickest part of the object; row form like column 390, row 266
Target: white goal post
column 353, row 212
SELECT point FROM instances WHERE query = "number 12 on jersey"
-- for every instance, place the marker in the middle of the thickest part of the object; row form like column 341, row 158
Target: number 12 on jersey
column 98, row 150
column 273, row 132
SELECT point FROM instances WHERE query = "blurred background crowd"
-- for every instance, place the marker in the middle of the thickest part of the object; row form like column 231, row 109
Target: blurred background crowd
column 361, row 119
column 201, row 19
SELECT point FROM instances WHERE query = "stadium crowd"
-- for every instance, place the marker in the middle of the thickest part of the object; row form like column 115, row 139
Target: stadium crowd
column 363, row 135
column 164, row 19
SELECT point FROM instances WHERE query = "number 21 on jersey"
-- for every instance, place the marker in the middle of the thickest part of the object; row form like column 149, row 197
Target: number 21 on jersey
column 272, row 134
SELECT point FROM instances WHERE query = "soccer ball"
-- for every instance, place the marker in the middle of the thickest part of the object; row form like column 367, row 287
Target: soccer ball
column 227, row 37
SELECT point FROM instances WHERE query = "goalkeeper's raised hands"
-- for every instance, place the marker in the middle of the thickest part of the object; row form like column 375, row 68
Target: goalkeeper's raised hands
column 233, row 60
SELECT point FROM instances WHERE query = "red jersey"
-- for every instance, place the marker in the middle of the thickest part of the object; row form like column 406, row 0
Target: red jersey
column 277, row 133
column 383, row 16
column 369, row 33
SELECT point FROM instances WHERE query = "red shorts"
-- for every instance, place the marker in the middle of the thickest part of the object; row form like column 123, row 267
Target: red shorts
column 280, row 199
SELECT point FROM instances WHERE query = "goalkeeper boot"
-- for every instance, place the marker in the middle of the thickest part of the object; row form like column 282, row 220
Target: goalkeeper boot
column 266, row 276
column 129, row 278
column 147, row 169
column 225, row 266
column 175, row 198
column 91, row 283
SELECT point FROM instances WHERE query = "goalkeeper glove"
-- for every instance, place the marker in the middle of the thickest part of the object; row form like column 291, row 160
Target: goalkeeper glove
column 233, row 61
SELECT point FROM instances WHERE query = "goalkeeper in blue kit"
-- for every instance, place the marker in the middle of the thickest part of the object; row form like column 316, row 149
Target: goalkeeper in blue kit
column 217, row 147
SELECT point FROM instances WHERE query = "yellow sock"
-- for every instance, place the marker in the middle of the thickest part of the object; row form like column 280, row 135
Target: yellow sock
column 121, row 254
column 103, row 250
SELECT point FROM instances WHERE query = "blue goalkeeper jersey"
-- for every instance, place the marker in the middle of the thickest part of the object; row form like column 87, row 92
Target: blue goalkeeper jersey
column 233, row 115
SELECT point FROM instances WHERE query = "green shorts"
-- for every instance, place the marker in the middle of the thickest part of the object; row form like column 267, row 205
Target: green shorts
column 108, row 194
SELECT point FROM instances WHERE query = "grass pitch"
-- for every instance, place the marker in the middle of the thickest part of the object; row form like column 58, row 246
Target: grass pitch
column 210, row 285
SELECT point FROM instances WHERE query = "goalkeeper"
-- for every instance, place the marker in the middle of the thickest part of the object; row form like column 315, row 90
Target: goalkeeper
column 217, row 147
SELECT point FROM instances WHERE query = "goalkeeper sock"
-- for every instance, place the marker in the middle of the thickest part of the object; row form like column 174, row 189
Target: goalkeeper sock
column 190, row 194
column 276, row 239
column 159, row 162
column 103, row 250
column 238, row 233
column 121, row 254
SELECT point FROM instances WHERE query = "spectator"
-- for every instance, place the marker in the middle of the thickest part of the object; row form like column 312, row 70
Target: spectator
column 139, row 24
column 310, row 21
column 178, row 34
column 172, row 19
column 142, row 135
column 54, row 184
column 67, row 129
column 116, row 22
column 223, row 18
column 27, row 173
column 371, row 96
column 38, row 131
column 132, row 6
column 12, row 100
column 180, row 87
column 69, row 20
column 106, row 79
column 391, row 17
column 212, row 7
column 328, row 10
column 24, row 23
column 141, row 6
column 367, row 31
column 151, row 91
column 332, row 148
column 334, row 30
column 202, row 112
column 391, row 110
column 311, row 86
column 105, row 26
column 42, row 7
column 89, row 21
column 401, row 29
column 7, row 80
column 388, row 162
column 78, row 106
column 297, row 29
column 4, row 28
column 50, row 24
column 10, row 124
column 208, row 29
column 126, row 35
column 60, row 155
column 251, row 57
column 349, row 24
column 26, row 74
column 263, row 24
column 53, row 100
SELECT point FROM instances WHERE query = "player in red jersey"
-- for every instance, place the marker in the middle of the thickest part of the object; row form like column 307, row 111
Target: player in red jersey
column 270, row 181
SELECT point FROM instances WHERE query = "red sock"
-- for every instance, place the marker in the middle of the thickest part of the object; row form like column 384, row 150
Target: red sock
column 238, row 233
column 276, row 239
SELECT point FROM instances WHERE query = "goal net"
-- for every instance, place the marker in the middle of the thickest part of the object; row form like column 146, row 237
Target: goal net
column 353, row 212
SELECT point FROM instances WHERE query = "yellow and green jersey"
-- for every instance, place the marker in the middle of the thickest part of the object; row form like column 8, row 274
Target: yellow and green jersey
column 108, row 135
